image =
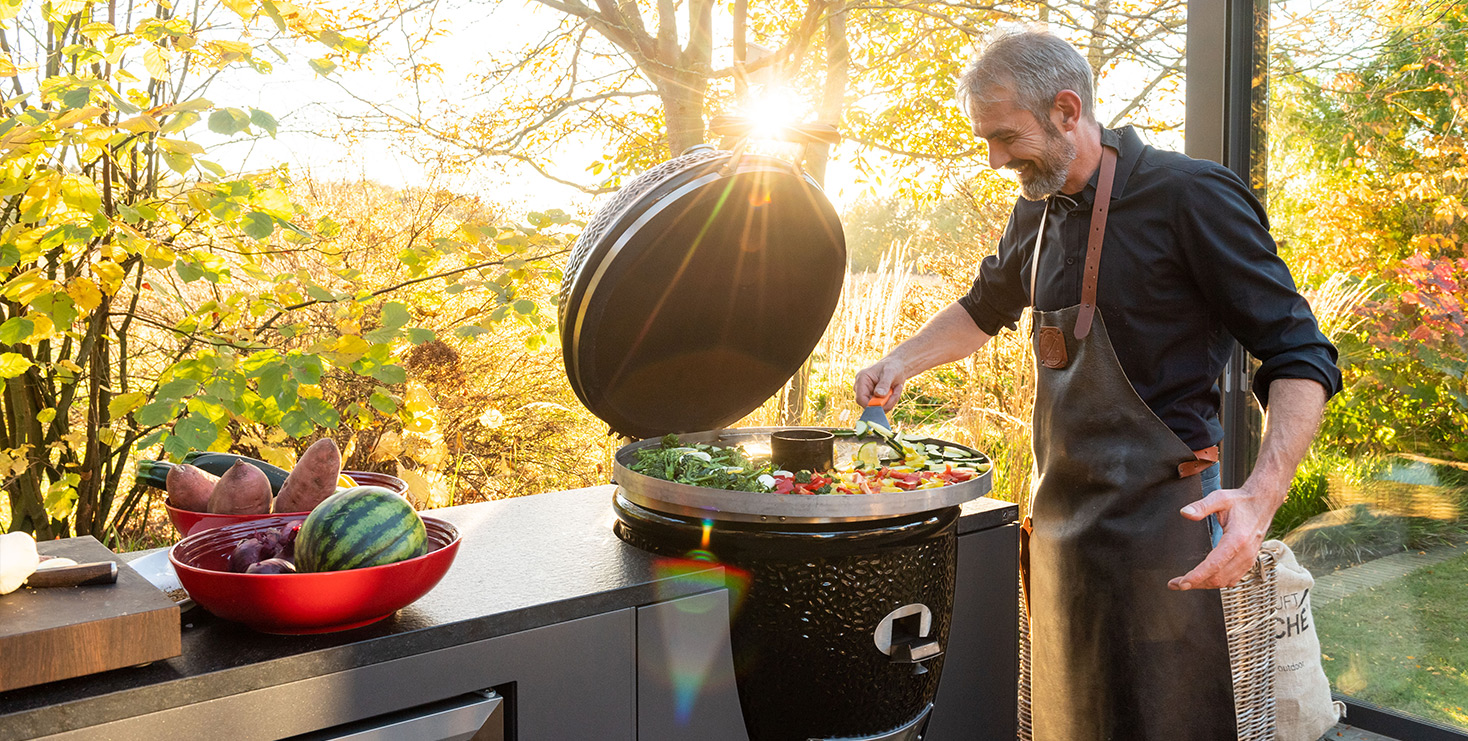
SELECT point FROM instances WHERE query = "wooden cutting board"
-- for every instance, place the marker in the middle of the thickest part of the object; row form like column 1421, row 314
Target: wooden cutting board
column 63, row 632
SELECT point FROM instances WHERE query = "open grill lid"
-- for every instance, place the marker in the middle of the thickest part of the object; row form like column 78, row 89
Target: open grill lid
column 698, row 291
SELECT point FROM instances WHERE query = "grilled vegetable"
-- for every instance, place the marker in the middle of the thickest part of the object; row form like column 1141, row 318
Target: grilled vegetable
column 701, row 465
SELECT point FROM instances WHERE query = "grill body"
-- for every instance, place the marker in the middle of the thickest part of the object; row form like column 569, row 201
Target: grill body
column 808, row 601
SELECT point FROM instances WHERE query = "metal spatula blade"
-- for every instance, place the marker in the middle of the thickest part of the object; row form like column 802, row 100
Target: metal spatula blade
column 874, row 414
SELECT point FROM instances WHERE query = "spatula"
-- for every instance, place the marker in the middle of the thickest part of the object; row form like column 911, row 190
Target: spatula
column 874, row 414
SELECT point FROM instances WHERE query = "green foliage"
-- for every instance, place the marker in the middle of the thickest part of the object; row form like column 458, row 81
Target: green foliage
column 149, row 297
column 1309, row 495
column 1385, row 198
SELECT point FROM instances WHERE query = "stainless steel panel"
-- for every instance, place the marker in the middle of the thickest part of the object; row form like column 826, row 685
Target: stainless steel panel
column 685, row 671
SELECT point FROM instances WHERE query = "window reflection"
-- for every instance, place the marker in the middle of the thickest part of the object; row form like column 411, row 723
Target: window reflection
column 1368, row 195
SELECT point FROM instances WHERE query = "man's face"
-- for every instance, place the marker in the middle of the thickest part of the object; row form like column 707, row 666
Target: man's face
column 1038, row 152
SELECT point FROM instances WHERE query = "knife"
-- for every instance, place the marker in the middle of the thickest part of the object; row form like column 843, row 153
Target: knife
column 74, row 575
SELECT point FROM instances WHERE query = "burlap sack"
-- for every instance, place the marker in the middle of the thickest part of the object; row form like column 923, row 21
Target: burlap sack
column 1303, row 707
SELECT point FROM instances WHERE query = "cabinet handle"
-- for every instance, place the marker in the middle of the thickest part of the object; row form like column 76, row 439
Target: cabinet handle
column 459, row 723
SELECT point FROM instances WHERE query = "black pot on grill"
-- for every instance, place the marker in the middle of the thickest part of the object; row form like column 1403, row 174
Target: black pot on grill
column 692, row 297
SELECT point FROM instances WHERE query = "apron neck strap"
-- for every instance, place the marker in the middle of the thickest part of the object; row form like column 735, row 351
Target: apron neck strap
column 1099, row 209
column 1035, row 254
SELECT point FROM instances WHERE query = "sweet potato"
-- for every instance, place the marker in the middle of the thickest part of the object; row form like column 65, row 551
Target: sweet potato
column 190, row 488
column 313, row 478
column 242, row 490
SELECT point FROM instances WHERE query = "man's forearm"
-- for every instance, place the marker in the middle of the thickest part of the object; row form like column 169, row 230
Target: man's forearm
column 1295, row 409
column 950, row 335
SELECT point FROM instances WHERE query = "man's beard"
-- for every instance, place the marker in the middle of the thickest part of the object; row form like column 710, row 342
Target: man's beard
column 1043, row 177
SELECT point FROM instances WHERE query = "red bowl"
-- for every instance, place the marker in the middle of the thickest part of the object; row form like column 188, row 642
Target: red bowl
column 295, row 604
column 188, row 522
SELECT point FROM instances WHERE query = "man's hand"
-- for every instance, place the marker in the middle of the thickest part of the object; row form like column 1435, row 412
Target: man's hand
column 885, row 377
column 1295, row 408
column 1245, row 517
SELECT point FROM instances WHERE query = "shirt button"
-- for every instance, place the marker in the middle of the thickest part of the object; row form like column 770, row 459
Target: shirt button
column 1070, row 261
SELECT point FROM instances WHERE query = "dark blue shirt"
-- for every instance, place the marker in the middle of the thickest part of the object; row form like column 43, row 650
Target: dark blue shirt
column 1187, row 268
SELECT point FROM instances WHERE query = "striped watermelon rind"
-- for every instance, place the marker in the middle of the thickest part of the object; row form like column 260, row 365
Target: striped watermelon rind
column 360, row 527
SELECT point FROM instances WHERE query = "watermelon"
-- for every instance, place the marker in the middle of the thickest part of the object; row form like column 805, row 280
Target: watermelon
column 360, row 527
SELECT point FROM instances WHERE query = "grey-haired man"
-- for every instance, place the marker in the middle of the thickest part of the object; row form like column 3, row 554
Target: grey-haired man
column 1124, row 549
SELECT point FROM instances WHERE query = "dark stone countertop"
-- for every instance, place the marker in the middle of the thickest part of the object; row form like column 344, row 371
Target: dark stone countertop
column 524, row 563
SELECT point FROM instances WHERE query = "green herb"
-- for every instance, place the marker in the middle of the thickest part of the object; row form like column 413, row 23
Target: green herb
column 701, row 465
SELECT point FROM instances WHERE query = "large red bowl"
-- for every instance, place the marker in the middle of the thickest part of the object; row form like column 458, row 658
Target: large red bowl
column 319, row 602
column 188, row 522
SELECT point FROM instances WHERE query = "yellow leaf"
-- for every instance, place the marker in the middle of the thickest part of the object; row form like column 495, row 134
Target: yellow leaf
column 79, row 192
column 423, row 493
column 46, row 415
column 140, row 124
column 77, row 439
column 43, row 329
column 7, row 67
column 83, row 293
column 110, row 273
column 351, row 345
column 244, row 8
column 179, row 146
column 26, row 286
column 389, row 446
column 123, row 404
column 155, row 60
column 277, row 456
column 418, row 399
column 418, row 423
column 9, row 8
column 77, row 115
column 66, row 362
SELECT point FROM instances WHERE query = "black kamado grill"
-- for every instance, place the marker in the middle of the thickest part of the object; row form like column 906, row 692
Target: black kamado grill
column 690, row 298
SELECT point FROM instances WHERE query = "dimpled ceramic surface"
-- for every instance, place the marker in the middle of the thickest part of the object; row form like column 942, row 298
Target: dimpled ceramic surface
column 807, row 600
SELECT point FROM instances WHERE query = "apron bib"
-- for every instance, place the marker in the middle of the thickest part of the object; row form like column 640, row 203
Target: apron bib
column 1114, row 653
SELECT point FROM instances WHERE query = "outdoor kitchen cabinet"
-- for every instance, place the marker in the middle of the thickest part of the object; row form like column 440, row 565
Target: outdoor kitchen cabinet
column 546, row 628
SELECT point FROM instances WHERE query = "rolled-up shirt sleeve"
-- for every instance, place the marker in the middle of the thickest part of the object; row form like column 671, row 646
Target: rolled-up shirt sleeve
column 1235, row 263
column 1000, row 292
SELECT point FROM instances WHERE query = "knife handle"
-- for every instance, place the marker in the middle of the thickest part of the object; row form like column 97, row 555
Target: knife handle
column 80, row 575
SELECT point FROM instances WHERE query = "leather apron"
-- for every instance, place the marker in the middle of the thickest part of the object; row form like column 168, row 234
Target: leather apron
column 1115, row 654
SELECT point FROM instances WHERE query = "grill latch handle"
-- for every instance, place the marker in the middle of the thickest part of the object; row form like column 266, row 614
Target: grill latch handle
column 905, row 636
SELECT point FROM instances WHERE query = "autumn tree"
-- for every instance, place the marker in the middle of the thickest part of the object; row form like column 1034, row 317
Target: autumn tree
column 152, row 298
column 625, row 76
column 1371, row 162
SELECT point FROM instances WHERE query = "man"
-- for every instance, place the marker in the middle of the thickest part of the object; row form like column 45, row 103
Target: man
column 1125, row 551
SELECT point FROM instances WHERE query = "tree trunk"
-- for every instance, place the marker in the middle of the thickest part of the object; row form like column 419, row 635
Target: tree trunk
column 683, row 109
column 817, row 157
